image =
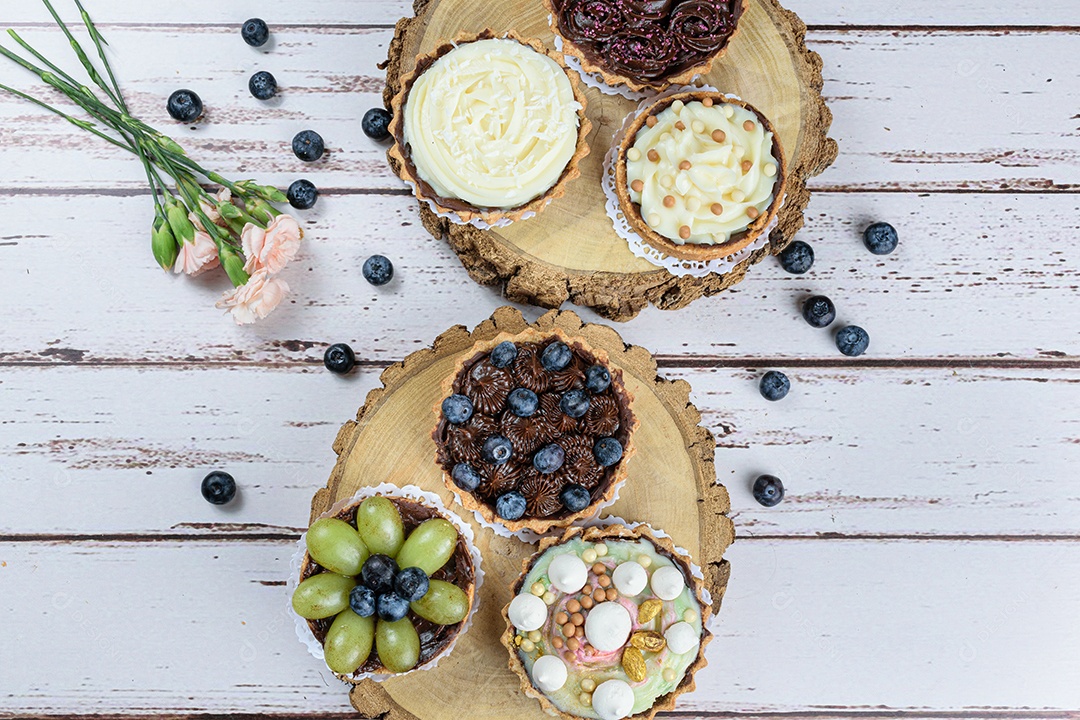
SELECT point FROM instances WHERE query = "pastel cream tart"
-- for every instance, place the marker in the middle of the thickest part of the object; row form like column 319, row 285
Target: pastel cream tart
column 493, row 123
column 702, row 171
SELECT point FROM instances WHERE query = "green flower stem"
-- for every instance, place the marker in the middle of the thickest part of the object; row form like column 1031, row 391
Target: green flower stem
column 84, row 124
column 89, row 66
column 41, row 58
column 98, row 41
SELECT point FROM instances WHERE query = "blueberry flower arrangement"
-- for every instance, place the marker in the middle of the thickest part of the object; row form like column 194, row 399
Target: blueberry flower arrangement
column 236, row 229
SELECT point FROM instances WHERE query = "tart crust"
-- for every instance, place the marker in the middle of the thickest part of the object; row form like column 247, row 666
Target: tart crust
column 663, row 703
column 695, row 251
column 625, row 400
column 614, row 79
column 400, row 158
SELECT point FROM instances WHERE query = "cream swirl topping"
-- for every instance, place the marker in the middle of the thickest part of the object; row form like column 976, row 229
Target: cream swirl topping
column 493, row 123
column 702, row 172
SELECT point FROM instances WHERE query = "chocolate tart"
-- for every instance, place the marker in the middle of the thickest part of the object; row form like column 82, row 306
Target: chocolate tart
column 646, row 44
column 611, row 664
column 458, row 571
column 400, row 153
column 609, row 415
column 697, row 251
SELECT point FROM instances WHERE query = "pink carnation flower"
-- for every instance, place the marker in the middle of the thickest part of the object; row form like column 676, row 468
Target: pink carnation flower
column 272, row 248
column 256, row 299
column 198, row 256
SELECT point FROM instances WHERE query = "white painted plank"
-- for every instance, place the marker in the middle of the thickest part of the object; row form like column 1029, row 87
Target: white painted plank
column 965, row 121
column 810, row 625
column 968, row 281
column 873, row 451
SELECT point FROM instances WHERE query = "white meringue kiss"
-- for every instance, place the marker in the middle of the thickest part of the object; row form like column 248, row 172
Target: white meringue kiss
column 568, row 573
column 681, row 638
column 667, row 582
column 549, row 673
column 630, row 578
column 613, row 700
column 527, row 612
column 607, row 626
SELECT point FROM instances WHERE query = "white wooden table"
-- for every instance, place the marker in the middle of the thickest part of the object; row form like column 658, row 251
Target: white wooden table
column 926, row 562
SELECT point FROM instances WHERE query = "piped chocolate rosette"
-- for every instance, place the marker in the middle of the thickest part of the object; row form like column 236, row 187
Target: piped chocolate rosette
column 607, row 623
column 534, row 430
column 646, row 44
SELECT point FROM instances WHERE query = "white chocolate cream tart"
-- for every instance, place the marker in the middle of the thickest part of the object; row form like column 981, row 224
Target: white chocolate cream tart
column 700, row 175
column 489, row 127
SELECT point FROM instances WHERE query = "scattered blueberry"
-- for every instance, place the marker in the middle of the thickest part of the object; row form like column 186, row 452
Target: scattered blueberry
column 218, row 487
column 575, row 403
column 496, row 450
column 362, row 601
column 768, row 490
column 597, row 379
column 819, row 311
column 607, row 451
column 510, row 506
column 185, row 106
column 797, row 257
column 255, row 32
column 504, row 354
column 378, row 573
column 466, row 477
column 880, row 238
column 852, row 340
column 262, row 85
column 523, row 402
column 457, row 409
column 411, row 583
column 575, row 498
column 339, row 358
column 376, row 124
column 392, row 607
column 774, row 385
column 549, row 458
column 308, row 145
column 378, row 270
column 556, row 356
column 302, row 194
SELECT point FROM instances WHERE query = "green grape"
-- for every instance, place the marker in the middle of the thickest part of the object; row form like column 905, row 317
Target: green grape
column 429, row 546
column 348, row 642
column 322, row 595
column 444, row 604
column 336, row 546
column 380, row 526
column 398, row 645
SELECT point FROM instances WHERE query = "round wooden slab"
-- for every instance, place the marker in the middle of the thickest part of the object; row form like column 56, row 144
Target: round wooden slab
column 570, row 251
column 672, row 485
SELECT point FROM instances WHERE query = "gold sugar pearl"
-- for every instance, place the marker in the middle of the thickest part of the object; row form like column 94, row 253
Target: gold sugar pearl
column 585, row 699
column 573, row 644
column 748, row 126
column 667, row 181
column 684, row 232
column 538, row 589
column 604, row 581
column 588, row 685
column 670, row 674
column 719, row 136
column 535, row 636
column 549, row 598
column 685, row 165
column 651, row 121
column 528, row 646
column 644, row 560
column 752, row 212
column 562, row 618
column 601, row 549
column 573, row 606
column 693, row 204
column 633, row 154
column 746, row 165
column 738, row 195
column 599, row 569
column 579, row 631
column 653, row 221
column 677, row 106
column 717, row 209
column 577, row 619
column 707, row 102
column 680, row 125
column 599, row 595
column 557, row 643
column 770, row 170
column 636, row 186
column 728, row 111
column 589, row 555
column 669, row 201
column 612, row 594
column 688, row 616
column 586, row 600
column 654, row 156
column 568, row 629
column 697, row 126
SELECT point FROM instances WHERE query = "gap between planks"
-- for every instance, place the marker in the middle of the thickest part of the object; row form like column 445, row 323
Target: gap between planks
column 876, row 713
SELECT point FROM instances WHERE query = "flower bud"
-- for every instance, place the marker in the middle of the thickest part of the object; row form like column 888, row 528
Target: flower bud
column 234, row 266
column 163, row 243
column 169, row 144
column 230, row 211
column 179, row 222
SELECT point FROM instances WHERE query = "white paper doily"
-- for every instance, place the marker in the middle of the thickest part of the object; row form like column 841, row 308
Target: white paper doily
column 303, row 632
column 642, row 249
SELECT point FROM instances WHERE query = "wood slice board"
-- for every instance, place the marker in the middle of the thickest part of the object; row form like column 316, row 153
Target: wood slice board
column 672, row 485
column 570, row 251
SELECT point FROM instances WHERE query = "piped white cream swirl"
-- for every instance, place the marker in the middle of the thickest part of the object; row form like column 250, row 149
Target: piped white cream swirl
column 493, row 123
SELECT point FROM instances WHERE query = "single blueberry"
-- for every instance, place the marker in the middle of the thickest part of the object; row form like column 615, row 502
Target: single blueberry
column 768, row 490
column 880, row 238
column 556, row 356
column 819, row 311
column 302, row 194
column 262, row 85
column 504, row 354
column 466, row 477
column 376, row 123
column 339, row 358
column 523, row 402
column 549, row 458
column 218, row 487
column 362, row 601
column 184, row 106
column 392, row 607
column 774, row 385
column 457, row 409
column 607, row 451
column 852, row 340
column 575, row 403
column 378, row 573
column 575, row 498
column 308, row 145
column 797, row 257
column 411, row 583
column 378, row 270
column 255, row 32
column 597, row 379
column 510, row 506
column 496, row 450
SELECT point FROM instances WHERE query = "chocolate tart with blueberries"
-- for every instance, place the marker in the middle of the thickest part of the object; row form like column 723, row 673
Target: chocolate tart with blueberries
column 489, row 127
column 607, row 623
column 700, row 175
column 646, row 44
column 386, row 586
column 534, row 430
